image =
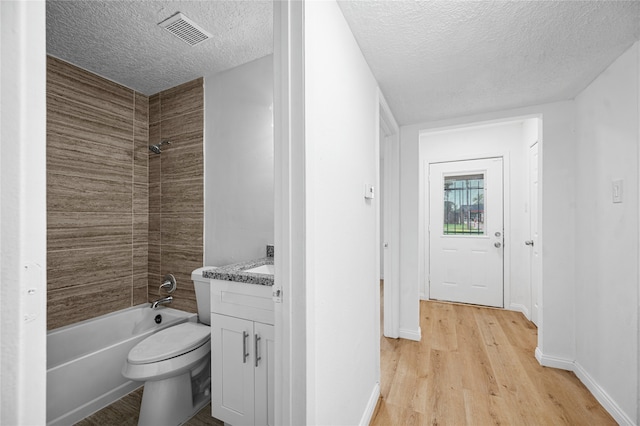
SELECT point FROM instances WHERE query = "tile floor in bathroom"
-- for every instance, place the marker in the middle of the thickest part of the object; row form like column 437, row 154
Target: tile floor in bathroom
column 124, row 412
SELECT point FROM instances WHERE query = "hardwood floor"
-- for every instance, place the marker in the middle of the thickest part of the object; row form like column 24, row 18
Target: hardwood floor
column 476, row 366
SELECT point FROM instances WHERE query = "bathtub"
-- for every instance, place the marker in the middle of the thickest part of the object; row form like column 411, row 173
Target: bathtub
column 85, row 360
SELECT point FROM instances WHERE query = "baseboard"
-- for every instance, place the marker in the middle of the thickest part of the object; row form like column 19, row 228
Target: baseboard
column 371, row 405
column 416, row 335
column 554, row 362
column 602, row 396
column 520, row 308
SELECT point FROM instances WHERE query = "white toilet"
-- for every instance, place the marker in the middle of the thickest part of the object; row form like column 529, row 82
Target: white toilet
column 175, row 365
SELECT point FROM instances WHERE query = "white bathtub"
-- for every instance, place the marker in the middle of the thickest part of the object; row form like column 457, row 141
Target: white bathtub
column 85, row 360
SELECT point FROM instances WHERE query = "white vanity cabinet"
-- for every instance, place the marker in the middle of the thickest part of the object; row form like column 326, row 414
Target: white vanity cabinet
column 242, row 353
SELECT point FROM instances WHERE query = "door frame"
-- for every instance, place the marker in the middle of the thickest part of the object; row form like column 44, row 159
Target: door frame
column 535, row 286
column 423, row 216
column 390, row 139
column 23, row 229
column 290, row 306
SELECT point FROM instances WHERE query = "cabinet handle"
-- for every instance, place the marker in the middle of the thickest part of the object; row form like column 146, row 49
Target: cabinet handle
column 257, row 346
column 245, row 354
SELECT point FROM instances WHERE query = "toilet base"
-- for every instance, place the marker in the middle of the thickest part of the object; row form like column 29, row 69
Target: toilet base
column 171, row 401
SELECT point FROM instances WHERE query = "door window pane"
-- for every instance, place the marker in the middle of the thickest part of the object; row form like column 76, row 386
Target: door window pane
column 464, row 205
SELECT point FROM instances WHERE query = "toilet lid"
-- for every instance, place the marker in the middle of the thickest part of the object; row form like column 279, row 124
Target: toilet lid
column 170, row 342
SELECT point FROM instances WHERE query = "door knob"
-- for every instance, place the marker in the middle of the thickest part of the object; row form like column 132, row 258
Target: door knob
column 529, row 242
column 497, row 245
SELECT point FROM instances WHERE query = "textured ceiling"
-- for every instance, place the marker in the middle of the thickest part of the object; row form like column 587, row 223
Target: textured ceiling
column 432, row 59
column 120, row 40
column 440, row 59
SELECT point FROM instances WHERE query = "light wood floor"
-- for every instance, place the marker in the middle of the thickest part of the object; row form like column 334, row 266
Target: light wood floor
column 476, row 366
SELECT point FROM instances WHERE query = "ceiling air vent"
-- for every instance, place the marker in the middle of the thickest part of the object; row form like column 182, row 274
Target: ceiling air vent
column 185, row 29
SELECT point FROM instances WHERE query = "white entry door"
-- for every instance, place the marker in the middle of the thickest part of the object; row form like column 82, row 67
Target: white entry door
column 466, row 252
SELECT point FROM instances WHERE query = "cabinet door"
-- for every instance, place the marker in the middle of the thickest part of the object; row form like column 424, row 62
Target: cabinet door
column 264, row 374
column 232, row 370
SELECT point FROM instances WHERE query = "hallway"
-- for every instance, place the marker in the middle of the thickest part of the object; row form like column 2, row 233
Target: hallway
column 476, row 366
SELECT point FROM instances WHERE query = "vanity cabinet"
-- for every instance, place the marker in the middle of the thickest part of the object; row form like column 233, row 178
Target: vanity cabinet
column 242, row 371
column 242, row 353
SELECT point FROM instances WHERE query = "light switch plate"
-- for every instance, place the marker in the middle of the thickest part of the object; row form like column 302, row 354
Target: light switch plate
column 617, row 190
column 369, row 191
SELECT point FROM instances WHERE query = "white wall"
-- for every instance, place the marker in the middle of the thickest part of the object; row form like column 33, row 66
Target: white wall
column 23, row 213
column 341, row 138
column 556, row 337
column 239, row 163
column 505, row 139
column 607, row 234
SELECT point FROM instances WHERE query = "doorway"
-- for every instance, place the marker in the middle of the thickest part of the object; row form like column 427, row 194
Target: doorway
column 509, row 139
column 466, row 232
column 534, row 242
column 390, row 218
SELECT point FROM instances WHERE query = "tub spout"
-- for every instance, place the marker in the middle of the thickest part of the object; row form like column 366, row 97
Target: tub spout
column 162, row 301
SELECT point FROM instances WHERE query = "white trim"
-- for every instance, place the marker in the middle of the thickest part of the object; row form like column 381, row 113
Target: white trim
column 391, row 133
column 371, row 405
column 423, row 228
column 415, row 335
column 589, row 382
column 554, row 362
column 637, row 47
column 538, row 283
column 540, row 118
column 289, row 218
column 602, row 396
column 23, row 224
column 518, row 307
column 205, row 174
column 471, row 122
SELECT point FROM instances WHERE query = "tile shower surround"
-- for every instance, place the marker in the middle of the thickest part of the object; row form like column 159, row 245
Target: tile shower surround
column 118, row 216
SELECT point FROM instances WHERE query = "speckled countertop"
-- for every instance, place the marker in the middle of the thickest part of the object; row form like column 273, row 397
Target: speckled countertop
column 237, row 272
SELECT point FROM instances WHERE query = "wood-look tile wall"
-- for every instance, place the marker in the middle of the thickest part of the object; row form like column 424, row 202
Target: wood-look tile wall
column 119, row 216
column 176, row 203
column 97, row 196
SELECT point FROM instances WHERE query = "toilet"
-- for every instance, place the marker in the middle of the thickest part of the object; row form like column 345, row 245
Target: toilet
column 175, row 365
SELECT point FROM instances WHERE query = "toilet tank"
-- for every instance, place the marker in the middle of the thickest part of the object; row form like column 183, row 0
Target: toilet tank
column 203, row 295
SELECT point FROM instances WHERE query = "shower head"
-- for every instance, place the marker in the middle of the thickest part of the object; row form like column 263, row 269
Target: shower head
column 156, row 148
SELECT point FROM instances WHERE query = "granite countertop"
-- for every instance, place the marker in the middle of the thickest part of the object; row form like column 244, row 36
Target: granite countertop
column 237, row 272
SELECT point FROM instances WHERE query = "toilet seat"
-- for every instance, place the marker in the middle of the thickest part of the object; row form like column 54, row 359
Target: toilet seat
column 170, row 343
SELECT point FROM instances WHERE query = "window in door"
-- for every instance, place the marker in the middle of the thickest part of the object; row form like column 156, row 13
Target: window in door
column 464, row 205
